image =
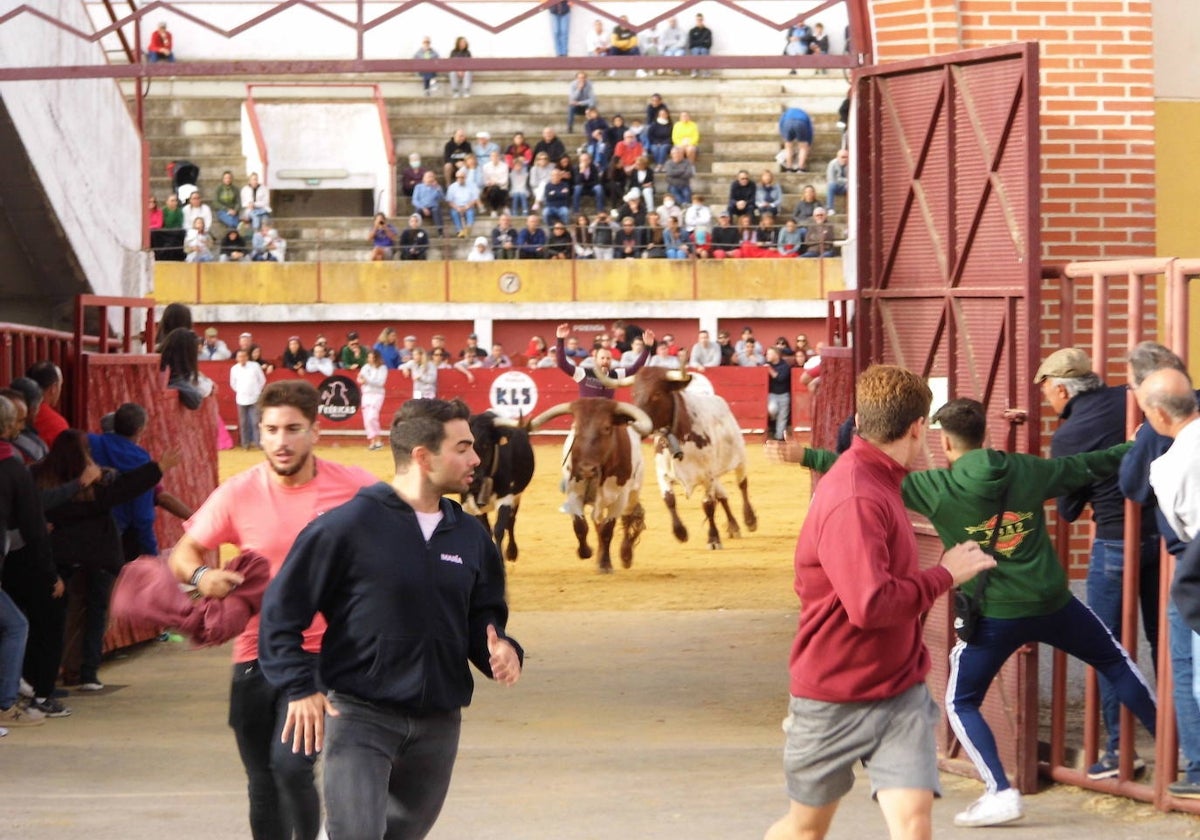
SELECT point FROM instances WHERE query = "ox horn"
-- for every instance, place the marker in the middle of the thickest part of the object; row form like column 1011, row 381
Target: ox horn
column 548, row 415
column 679, row 376
column 642, row 424
column 609, row 382
column 505, row 422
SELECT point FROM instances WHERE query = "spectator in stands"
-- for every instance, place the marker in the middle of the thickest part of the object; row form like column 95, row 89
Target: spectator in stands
column 387, row 348
column 412, row 174
column 256, row 202
column 497, row 359
column 536, row 352
column 319, row 361
column 663, row 358
column 837, row 178
column 539, row 176
column 697, row 217
column 428, row 78
column 245, row 342
column 587, row 180
column 557, row 199
column 247, row 380
column 518, row 148
column 454, row 154
column 675, row 240
column 474, row 173
column 372, row 379
column 633, row 207
column 747, row 334
column 602, row 233
column 212, row 348
column 518, row 187
column 504, row 239
column 672, row 40
column 581, row 237
column 632, row 354
column 154, row 215
column 699, row 42
column 427, row 203
column 598, row 40
column 641, row 179
column 199, row 245
column 495, row 183
column 460, row 80
column 791, row 239
column 383, row 238
column 550, row 144
column 228, row 201
column 819, row 238
column 353, row 355
column 560, row 26
column 472, row 353
column 658, row 135
column 768, row 198
column 295, row 357
column 669, row 209
column 727, row 349
column 627, row 241
column 653, row 105
column 804, row 351
column 233, row 247
column 256, row 356
column 172, row 214
column 767, row 234
column 705, row 352
column 779, row 393
column 819, row 45
column 483, row 147
column 480, row 252
column 268, row 246
column 595, row 137
column 808, row 202
column 624, row 41
column 616, row 132
column 724, row 236
column 799, row 37
column 180, row 360
column 413, row 243
column 742, row 196
column 162, row 45
column 580, row 97
column 796, row 131
column 531, row 241
column 750, row 354
column 423, row 372
column 559, row 245
column 685, row 135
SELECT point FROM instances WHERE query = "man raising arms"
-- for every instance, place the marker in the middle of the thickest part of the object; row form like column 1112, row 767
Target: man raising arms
column 412, row 589
column 263, row 509
column 858, row 662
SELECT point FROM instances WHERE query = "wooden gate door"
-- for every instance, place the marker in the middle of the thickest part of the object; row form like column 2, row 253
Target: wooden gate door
column 949, row 268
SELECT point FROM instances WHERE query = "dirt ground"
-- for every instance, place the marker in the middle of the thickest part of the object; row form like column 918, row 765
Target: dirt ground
column 754, row 572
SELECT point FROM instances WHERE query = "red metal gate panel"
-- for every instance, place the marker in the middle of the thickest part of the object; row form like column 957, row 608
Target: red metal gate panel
column 949, row 272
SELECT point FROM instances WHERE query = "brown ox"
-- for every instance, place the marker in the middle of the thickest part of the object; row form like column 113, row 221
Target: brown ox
column 697, row 441
column 603, row 468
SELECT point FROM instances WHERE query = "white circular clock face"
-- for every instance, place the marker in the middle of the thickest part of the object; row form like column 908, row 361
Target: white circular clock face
column 510, row 282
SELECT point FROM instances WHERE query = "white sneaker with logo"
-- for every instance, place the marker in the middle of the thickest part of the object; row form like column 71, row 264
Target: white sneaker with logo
column 992, row 809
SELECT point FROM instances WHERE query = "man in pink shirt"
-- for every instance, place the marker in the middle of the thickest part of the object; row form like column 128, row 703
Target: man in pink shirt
column 263, row 509
column 858, row 662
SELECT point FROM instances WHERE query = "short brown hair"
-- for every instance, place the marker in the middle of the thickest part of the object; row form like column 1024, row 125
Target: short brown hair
column 889, row 400
column 293, row 393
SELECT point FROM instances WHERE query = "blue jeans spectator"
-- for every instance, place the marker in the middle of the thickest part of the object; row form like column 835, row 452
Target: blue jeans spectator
column 834, row 191
column 520, row 203
column 779, row 409
column 14, row 630
column 462, row 218
column 677, row 253
column 1187, row 707
column 154, row 58
column 1106, row 571
column 434, row 214
column 258, row 217
column 683, row 195
column 597, row 191
column 560, row 27
column 227, row 218
column 248, row 425
column 562, row 214
column 700, row 51
column 428, row 81
column 660, row 151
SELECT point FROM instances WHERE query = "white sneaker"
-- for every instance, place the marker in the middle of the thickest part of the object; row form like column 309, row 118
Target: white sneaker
column 25, row 690
column 992, row 809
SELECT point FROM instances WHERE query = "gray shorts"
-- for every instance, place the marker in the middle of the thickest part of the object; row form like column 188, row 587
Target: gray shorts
column 893, row 738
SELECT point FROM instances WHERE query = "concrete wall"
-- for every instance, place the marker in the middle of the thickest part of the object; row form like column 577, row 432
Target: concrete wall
column 83, row 145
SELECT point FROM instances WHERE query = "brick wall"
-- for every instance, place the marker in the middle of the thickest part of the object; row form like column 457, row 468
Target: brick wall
column 1097, row 143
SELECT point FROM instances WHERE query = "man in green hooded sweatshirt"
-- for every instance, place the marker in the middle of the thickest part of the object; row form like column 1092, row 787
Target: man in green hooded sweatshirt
column 1026, row 599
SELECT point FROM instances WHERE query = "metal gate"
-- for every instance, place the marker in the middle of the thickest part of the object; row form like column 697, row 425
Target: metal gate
column 949, row 268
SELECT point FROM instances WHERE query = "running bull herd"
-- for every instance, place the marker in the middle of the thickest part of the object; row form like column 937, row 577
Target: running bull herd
column 696, row 441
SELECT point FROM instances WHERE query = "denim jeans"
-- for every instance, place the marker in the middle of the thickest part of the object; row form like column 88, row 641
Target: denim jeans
column 560, row 27
column 386, row 772
column 597, row 192
column 683, row 195
column 227, row 218
column 1106, row 570
column 834, row 190
column 1187, row 706
column 283, row 794
column 779, row 408
column 659, row 152
column 562, row 214
column 14, row 630
column 258, row 218
column 462, row 218
column 520, row 203
column 1076, row 631
column 248, row 424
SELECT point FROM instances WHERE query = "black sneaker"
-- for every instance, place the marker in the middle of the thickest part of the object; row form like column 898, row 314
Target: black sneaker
column 50, row 707
column 1109, row 766
column 1185, row 789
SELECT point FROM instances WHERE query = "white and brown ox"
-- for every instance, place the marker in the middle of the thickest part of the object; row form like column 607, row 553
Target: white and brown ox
column 504, row 471
column 603, row 468
column 697, row 440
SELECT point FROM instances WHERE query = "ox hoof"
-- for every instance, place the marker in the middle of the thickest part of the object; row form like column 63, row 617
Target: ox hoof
column 681, row 533
column 605, row 570
column 715, row 545
column 584, row 553
column 511, row 554
column 734, row 533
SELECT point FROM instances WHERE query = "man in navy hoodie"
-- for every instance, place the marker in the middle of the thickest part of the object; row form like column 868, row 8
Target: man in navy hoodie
column 412, row 589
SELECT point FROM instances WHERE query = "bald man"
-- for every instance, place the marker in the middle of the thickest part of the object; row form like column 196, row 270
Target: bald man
column 1169, row 402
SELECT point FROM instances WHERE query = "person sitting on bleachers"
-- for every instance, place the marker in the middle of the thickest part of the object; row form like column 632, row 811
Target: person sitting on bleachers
column 624, row 41
column 658, row 136
column 295, row 357
column 172, row 214
column 197, row 209
column 454, row 153
column 672, row 40
column 679, row 172
column 629, row 150
column 627, row 241
column 685, row 134
column 598, row 41
column 587, row 181
column 154, row 215
column 633, row 208
column 412, row 174
column 233, row 247
column 837, row 178
column 581, row 236
column 483, row 146
column 480, row 252
column 742, row 196
column 256, row 202
column 550, row 144
column 227, row 200
column 413, row 243
column 559, row 245
column 819, row 238
column 504, row 238
column 581, row 98
column 595, row 137
column 791, row 239
column 518, row 148
column 808, row 202
column 531, row 241
column 653, row 245
column 669, row 209
column 724, row 236
column 641, row 178
column 556, row 199
column 518, row 186
column 474, row 169
column 268, row 246
column 539, row 176
column 602, row 231
column 767, row 234
column 427, row 200
column 768, row 198
column 199, row 244
column 383, row 238
column 697, row 217
column 319, row 361
column 495, row 183
column 675, row 240
column 427, row 53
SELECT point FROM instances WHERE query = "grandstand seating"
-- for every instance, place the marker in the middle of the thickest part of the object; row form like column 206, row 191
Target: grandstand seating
column 200, row 121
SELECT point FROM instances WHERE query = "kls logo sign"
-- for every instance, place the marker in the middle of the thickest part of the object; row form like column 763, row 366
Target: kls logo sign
column 514, row 394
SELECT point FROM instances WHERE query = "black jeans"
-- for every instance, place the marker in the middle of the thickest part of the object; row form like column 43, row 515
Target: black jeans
column 47, row 621
column 283, row 794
